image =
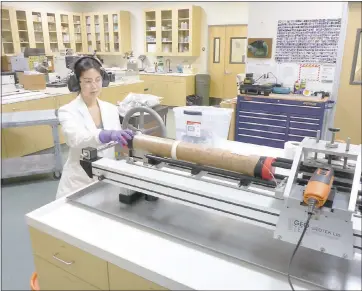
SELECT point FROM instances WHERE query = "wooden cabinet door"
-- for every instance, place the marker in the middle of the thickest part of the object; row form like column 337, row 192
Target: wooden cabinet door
column 9, row 43
column 4, row 152
column 120, row 279
column 176, row 94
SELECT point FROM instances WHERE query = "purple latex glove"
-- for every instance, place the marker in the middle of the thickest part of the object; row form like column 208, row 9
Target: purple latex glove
column 120, row 136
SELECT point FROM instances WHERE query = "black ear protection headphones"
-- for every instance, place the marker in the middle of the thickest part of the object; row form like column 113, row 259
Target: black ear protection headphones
column 73, row 82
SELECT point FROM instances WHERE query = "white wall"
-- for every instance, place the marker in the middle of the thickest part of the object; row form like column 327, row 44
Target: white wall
column 263, row 21
column 47, row 6
column 214, row 13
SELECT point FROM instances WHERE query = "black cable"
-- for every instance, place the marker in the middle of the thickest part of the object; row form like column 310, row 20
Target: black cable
column 276, row 80
column 297, row 246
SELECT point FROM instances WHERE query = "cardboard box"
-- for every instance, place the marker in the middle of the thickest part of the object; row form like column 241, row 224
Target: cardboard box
column 5, row 64
column 32, row 81
column 230, row 103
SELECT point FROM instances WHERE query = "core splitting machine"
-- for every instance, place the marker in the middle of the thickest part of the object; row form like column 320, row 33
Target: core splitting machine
column 241, row 206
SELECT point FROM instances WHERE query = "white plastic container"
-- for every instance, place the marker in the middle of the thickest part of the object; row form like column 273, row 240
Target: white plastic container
column 202, row 124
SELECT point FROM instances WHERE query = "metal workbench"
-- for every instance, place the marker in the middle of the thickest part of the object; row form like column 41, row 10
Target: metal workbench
column 228, row 237
column 33, row 164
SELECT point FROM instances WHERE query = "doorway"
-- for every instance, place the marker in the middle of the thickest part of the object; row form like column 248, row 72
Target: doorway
column 227, row 58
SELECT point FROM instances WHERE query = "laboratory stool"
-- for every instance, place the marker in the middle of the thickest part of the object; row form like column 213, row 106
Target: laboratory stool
column 34, row 282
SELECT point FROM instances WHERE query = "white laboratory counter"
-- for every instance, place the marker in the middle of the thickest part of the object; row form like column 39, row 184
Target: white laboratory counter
column 168, row 74
column 171, row 263
column 26, row 95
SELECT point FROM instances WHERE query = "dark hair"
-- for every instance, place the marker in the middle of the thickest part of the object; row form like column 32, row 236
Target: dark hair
column 85, row 65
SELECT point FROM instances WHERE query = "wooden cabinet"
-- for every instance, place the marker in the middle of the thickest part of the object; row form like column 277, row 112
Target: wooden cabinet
column 61, row 266
column 116, row 94
column 173, row 89
column 22, row 141
column 120, row 279
column 72, row 260
column 108, row 33
column 173, row 32
column 51, row 277
column 9, row 43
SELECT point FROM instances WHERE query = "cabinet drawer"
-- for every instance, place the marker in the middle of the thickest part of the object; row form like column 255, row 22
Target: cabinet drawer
column 71, row 259
column 51, row 277
column 261, row 133
column 280, row 108
column 264, row 127
column 120, row 279
column 304, row 125
column 302, row 132
column 262, row 120
column 275, row 143
column 305, row 118
column 12, row 107
column 263, row 114
column 293, row 137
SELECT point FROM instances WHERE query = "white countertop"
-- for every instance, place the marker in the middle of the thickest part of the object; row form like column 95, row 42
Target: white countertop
column 168, row 262
column 167, row 74
column 26, row 95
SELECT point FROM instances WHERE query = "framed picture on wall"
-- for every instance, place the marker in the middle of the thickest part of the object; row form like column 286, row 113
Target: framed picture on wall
column 356, row 73
column 260, row 48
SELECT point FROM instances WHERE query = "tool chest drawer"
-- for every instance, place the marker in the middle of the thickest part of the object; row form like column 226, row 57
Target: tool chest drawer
column 271, row 106
column 302, row 132
column 275, row 143
column 262, row 127
column 263, row 133
column 262, row 120
column 272, row 122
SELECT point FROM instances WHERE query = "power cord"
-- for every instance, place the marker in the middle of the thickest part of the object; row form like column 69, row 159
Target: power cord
column 311, row 207
column 276, row 80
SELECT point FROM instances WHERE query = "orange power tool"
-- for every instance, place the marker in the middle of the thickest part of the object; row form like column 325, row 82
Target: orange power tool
column 318, row 188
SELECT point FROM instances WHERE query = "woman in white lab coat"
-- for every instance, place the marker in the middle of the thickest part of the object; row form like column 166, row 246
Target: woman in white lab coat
column 87, row 122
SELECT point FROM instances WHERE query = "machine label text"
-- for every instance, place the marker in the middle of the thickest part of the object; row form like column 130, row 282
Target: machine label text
column 296, row 225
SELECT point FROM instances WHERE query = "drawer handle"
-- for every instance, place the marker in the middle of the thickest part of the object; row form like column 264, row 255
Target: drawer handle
column 60, row 260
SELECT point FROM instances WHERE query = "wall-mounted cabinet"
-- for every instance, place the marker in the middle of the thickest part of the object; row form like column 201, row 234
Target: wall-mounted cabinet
column 8, row 31
column 173, row 32
column 108, row 33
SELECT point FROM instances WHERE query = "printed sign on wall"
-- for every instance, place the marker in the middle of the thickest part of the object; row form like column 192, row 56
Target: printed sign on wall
column 312, row 41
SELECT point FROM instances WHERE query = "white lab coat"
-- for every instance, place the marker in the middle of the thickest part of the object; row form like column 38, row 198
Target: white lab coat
column 80, row 131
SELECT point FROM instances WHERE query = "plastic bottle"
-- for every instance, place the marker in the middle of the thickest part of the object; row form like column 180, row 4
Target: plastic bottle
column 296, row 87
column 303, row 85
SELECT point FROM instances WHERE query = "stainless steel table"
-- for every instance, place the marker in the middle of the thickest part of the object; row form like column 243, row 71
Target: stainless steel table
column 232, row 239
column 33, row 164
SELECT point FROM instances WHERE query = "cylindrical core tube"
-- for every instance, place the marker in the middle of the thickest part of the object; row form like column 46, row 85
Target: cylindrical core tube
column 255, row 166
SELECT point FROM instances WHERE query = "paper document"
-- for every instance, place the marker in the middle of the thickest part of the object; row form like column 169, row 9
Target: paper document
column 327, row 74
column 309, row 72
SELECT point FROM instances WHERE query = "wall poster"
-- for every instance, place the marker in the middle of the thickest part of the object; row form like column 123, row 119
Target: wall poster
column 312, row 41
